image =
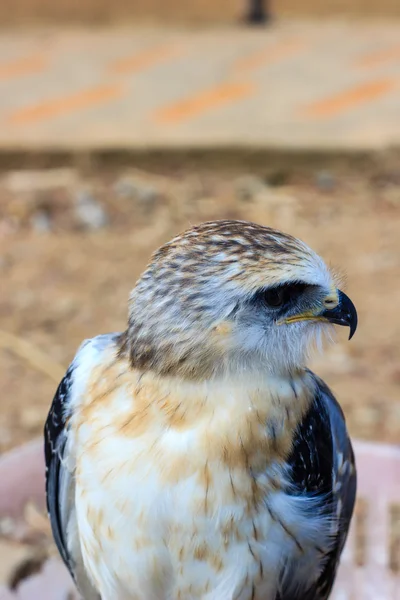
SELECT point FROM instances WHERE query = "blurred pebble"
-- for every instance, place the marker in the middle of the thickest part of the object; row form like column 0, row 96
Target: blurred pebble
column 89, row 213
column 325, row 181
column 278, row 178
column 249, row 186
column 41, row 222
column 124, row 188
column 139, row 190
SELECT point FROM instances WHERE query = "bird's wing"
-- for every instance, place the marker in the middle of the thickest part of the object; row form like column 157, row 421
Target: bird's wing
column 59, row 458
column 344, row 485
column 58, row 477
column 322, row 464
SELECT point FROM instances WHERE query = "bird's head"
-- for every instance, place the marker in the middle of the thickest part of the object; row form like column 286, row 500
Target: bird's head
column 229, row 296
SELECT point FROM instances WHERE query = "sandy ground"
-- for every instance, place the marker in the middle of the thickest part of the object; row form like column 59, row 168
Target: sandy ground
column 72, row 246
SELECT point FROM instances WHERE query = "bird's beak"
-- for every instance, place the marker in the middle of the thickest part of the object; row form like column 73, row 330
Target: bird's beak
column 343, row 313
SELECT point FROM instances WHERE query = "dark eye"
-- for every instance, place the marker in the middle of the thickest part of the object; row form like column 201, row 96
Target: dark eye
column 281, row 295
column 275, row 297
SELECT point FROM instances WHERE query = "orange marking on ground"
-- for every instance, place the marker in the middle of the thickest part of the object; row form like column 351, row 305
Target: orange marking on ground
column 351, row 98
column 62, row 106
column 144, row 60
column 380, row 57
column 22, row 66
column 205, row 100
column 268, row 56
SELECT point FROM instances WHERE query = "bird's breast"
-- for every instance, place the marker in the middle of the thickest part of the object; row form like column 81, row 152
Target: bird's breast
column 180, row 495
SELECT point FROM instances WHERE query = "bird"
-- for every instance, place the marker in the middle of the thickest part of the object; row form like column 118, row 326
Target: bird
column 195, row 455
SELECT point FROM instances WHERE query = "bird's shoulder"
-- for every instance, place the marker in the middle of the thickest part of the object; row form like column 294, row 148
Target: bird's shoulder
column 71, row 387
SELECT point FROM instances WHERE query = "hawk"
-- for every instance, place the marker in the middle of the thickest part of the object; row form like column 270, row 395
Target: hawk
column 195, row 456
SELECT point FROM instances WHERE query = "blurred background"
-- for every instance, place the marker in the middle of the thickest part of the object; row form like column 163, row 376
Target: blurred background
column 124, row 122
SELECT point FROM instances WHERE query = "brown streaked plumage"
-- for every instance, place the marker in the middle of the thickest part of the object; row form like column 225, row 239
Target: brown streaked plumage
column 241, row 256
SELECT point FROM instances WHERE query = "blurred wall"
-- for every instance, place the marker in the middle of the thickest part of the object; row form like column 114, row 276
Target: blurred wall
column 201, row 11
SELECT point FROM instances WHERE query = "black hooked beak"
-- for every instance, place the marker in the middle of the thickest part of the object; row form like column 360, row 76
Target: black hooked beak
column 343, row 314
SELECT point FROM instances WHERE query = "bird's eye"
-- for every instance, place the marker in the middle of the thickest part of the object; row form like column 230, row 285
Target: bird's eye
column 283, row 295
column 275, row 297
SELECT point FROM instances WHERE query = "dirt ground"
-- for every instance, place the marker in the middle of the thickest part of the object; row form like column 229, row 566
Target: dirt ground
column 72, row 246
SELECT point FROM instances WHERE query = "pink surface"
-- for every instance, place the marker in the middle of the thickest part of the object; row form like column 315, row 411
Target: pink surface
column 378, row 465
column 22, row 477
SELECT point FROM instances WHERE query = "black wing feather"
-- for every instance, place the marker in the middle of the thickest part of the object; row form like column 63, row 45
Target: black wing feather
column 316, row 467
column 55, row 437
column 345, row 474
